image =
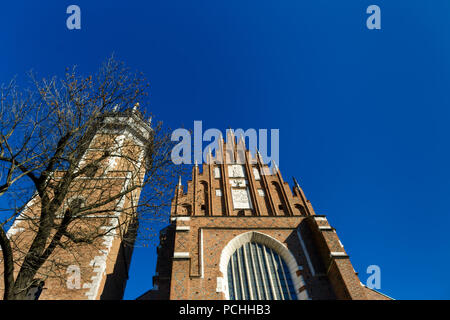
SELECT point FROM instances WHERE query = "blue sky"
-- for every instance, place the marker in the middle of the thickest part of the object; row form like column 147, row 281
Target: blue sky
column 363, row 114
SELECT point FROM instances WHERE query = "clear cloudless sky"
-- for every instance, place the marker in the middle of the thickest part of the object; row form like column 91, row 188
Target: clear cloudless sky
column 363, row 114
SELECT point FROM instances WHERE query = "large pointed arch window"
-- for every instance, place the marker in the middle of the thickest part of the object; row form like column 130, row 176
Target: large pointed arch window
column 257, row 272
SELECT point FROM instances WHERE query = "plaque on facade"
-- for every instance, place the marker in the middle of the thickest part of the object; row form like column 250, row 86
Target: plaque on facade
column 236, row 171
column 216, row 172
column 238, row 183
column 256, row 174
column 241, row 199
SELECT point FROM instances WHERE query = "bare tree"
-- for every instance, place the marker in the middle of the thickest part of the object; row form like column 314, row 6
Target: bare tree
column 57, row 143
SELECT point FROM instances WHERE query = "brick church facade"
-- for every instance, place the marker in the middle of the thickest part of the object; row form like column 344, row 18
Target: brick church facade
column 239, row 232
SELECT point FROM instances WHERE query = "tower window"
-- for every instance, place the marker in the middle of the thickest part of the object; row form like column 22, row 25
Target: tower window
column 75, row 205
column 256, row 272
column 91, row 169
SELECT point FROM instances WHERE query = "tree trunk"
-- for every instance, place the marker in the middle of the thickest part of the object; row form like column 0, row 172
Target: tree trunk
column 8, row 266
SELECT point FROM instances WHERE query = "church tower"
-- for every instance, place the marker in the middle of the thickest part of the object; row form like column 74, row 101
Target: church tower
column 239, row 232
column 96, row 268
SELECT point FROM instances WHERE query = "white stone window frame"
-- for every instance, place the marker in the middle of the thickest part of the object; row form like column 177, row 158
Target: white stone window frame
column 218, row 192
column 270, row 242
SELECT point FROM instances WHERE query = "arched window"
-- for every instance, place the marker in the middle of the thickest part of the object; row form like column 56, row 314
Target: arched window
column 301, row 209
column 282, row 208
column 204, row 198
column 187, row 209
column 257, row 272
